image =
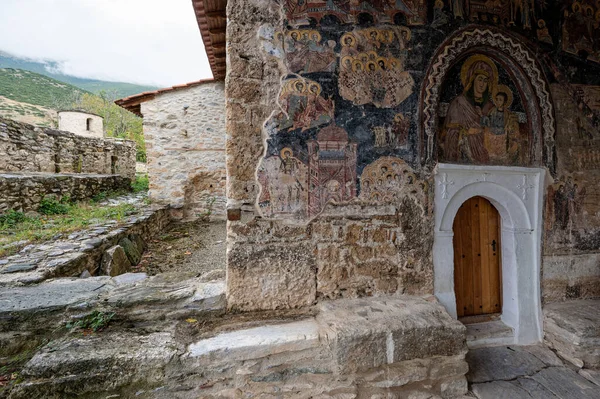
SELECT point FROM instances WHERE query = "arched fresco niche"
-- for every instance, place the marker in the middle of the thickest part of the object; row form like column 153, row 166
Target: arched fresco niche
column 481, row 117
column 517, row 71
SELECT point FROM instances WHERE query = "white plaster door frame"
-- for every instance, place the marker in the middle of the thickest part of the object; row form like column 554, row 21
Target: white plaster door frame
column 517, row 193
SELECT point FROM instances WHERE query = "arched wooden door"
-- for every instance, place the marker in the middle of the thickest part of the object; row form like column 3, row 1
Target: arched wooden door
column 477, row 272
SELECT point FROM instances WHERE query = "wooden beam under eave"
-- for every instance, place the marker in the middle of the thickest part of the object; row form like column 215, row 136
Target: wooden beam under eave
column 218, row 31
column 216, row 14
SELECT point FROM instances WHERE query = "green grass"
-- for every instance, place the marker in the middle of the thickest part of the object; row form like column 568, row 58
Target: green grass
column 140, row 184
column 16, row 227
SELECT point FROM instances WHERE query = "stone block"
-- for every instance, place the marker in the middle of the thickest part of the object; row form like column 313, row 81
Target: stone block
column 131, row 250
column 377, row 331
column 115, row 261
column 278, row 276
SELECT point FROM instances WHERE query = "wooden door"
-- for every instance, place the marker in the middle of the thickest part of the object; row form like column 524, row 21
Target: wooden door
column 477, row 274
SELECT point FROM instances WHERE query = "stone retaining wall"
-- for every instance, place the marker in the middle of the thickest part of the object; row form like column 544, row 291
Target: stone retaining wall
column 80, row 251
column 26, row 148
column 24, row 191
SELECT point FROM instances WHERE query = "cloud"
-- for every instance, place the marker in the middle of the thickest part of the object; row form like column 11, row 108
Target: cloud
column 153, row 42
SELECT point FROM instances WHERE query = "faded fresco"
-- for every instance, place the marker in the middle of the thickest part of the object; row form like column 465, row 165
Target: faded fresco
column 581, row 29
column 479, row 125
column 346, row 101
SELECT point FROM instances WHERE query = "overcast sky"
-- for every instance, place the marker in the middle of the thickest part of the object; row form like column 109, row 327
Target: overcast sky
column 154, row 42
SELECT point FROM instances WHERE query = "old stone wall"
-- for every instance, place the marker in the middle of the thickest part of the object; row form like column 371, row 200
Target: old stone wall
column 25, row 148
column 571, row 267
column 81, row 123
column 185, row 139
column 23, row 192
column 331, row 109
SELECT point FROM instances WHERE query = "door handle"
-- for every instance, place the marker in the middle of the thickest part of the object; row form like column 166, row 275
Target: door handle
column 494, row 245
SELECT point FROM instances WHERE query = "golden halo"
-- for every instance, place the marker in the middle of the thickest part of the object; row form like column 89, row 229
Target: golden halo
column 493, row 80
column 576, row 7
column 394, row 62
column 364, row 57
column 346, row 58
column 314, row 84
column 408, row 33
column 372, row 55
column 398, row 118
column 348, row 36
column 509, row 94
column 314, row 32
column 357, row 65
column 375, row 196
column 372, row 63
column 385, row 62
column 381, row 36
column 305, row 32
column 541, row 24
column 304, row 86
column 439, row 4
column 284, row 150
column 297, row 32
column 279, row 36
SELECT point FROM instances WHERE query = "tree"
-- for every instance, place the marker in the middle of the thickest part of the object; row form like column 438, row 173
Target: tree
column 118, row 122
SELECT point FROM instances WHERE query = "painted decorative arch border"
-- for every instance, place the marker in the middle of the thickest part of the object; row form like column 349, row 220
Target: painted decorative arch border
column 459, row 44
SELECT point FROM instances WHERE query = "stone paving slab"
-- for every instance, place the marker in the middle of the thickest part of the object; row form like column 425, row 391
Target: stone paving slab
column 501, row 363
column 503, row 390
column 52, row 295
column 567, row 384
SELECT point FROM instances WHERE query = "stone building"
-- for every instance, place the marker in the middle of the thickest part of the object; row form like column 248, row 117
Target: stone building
column 184, row 129
column 473, row 130
column 81, row 123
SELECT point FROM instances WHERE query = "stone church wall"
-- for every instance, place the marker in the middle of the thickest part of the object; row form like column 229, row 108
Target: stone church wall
column 185, row 140
column 338, row 115
column 25, row 148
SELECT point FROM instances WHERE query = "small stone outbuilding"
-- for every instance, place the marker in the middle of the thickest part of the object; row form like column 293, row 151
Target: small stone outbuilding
column 81, row 123
column 184, row 129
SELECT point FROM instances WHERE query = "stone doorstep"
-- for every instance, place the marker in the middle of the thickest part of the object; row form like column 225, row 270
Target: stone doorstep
column 491, row 333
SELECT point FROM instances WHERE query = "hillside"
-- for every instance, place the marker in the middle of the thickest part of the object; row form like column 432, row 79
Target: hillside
column 50, row 69
column 27, row 113
column 32, row 88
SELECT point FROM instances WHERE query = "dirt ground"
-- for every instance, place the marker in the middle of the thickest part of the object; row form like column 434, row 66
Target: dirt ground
column 197, row 247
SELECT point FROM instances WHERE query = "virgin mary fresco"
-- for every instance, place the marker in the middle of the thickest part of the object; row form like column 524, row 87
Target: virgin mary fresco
column 479, row 127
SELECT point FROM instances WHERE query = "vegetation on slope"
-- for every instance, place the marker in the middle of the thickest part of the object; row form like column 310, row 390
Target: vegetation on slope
column 50, row 68
column 32, row 88
column 28, row 88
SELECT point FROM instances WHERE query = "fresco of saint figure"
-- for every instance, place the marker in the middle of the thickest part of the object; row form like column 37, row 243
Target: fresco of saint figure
column 463, row 130
column 479, row 126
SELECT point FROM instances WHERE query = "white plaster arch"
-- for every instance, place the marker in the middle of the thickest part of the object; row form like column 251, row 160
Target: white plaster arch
column 511, row 208
column 517, row 194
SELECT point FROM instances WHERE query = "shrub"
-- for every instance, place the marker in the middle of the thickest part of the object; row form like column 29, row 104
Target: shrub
column 141, row 183
column 50, row 206
column 12, row 218
column 95, row 321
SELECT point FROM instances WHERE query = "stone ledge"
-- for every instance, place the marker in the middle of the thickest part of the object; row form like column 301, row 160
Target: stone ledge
column 571, row 328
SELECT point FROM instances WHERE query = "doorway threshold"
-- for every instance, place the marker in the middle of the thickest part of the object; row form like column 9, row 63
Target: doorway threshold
column 488, row 333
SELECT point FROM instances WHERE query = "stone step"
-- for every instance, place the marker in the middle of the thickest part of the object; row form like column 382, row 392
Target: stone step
column 46, row 307
column 367, row 346
column 491, row 333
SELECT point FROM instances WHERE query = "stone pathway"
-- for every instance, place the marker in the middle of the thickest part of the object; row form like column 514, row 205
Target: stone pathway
column 528, row 372
column 70, row 255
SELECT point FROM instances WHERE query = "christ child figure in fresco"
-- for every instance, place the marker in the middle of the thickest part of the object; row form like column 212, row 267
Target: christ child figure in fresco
column 501, row 137
column 462, row 136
